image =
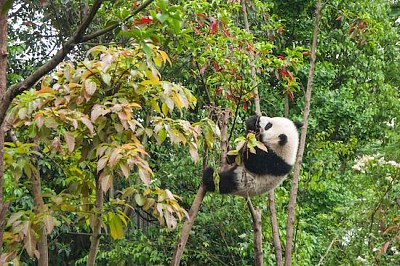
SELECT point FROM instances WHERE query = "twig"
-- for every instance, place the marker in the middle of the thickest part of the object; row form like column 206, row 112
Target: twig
column 252, row 67
column 327, row 251
column 297, row 167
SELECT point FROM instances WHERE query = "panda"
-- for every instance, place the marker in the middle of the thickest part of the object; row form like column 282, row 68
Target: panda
column 261, row 171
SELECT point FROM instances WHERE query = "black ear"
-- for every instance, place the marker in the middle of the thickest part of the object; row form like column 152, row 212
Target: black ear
column 282, row 139
column 298, row 124
column 252, row 123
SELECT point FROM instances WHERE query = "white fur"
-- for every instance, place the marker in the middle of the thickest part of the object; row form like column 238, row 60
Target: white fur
column 270, row 137
column 251, row 185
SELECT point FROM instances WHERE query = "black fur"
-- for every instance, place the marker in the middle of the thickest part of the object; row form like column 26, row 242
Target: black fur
column 252, row 123
column 227, row 181
column 265, row 163
column 208, row 179
column 282, row 139
column 298, row 124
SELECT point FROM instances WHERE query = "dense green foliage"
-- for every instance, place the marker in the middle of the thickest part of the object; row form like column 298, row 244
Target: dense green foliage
column 135, row 116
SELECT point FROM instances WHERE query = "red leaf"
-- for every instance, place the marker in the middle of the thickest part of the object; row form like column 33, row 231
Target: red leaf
column 281, row 57
column 143, row 20
column 384, row 248
column 225, row 31
column 245, row 107
column 214, row 26
column 201, row 15
column 250, row 47
column 284, row 73
column 290, row 95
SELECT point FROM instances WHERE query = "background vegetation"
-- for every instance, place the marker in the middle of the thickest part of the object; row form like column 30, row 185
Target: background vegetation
column 103, row 155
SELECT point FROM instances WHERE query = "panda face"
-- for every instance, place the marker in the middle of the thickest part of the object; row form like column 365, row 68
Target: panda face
column 280, row 135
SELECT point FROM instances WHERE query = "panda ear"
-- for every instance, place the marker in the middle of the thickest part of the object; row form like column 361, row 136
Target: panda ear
column 298, row 124
column 252, row 123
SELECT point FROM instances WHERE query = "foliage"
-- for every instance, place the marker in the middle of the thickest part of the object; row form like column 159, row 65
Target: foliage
column 91, row 117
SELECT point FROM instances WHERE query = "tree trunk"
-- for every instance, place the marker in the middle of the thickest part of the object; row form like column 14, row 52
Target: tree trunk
column 96, row 223
column 3, row 85
column 297, row 167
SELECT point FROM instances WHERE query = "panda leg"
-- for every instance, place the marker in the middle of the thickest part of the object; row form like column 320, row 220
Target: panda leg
column 227, row 180
column 208, row 179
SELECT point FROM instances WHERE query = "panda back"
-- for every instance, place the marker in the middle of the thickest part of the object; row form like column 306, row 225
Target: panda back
column 266, row 163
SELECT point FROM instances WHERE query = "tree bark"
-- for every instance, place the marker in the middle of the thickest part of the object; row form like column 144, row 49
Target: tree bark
column 96, row 223
column 257, row 233
column 297, row 167
column 3, row 85
column 275, row 228
column 187, row 226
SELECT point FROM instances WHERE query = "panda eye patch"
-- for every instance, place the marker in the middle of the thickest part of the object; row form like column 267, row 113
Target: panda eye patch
column 268, row 126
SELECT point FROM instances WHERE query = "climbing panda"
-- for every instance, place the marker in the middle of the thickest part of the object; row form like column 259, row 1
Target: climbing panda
column 261, row 171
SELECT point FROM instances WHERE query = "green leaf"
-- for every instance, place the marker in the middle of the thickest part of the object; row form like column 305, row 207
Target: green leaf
column 147, row 50
column 162, row 17
column 116, row 227
column 140, row 200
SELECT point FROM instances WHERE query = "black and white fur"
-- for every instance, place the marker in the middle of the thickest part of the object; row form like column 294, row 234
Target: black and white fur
column 262, row 171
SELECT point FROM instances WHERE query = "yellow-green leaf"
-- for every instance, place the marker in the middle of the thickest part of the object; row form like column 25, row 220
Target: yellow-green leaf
column 116, row 227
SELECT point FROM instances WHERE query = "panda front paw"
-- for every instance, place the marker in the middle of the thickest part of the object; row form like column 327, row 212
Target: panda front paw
column 208, row 179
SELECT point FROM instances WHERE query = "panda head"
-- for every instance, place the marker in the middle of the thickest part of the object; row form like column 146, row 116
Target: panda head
column 279, row 134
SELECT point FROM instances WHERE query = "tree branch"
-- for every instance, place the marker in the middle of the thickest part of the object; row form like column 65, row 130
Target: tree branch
column 275, row 228
column 297, row 167
column 76, row 38
column 257, row 233
column 20, row 87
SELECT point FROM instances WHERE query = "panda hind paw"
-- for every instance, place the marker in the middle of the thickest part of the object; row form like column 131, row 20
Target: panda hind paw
column 208, row 179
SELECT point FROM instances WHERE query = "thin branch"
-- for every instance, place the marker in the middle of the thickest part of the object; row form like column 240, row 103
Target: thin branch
column 297, row 167
column 255, row 214
column 252, row 67
column 187, row 226
column 327, row 252
column 275, row 228
column 257, row 233
column 3, row 85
